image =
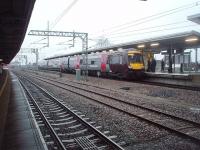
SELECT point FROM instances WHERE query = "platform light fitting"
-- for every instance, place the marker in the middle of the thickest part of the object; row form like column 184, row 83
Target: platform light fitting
column 141, row 46
column 154, row 44
column 191, row 39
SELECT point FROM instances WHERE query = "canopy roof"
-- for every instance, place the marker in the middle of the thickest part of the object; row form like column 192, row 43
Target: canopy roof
column 14, row 19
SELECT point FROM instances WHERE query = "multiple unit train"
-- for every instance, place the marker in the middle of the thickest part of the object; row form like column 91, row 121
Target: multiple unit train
column 127, row 64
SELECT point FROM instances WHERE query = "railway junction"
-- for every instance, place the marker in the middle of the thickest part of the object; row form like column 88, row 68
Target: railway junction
column 42, row 110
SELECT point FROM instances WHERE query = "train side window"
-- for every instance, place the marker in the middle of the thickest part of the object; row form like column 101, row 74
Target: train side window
column 115, row 60
column 92, row 62
column 112, row 60
column 81, row 61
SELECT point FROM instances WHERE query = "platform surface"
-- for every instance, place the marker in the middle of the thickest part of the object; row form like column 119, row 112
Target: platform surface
column 21, row 131
column 169, row 75
column 190, row 80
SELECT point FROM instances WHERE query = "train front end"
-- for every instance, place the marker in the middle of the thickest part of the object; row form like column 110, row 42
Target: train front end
column 136, row 64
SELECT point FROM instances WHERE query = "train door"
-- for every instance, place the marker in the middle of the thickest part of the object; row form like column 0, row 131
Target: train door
column 71, row 61
column 121, row 65
column 114, row 63
column 77, row 62
column 103, row 62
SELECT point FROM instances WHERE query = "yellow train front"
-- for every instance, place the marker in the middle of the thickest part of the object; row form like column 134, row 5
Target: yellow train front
column 135, row 64
column 127, row 64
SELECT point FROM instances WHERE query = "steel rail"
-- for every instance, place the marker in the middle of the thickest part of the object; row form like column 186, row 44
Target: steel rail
column 55, row 136
column 110, row 142
column 185, row 87
column 117, row 99
column 121, row 110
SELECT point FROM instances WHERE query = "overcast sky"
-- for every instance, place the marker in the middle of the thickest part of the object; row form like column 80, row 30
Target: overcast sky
column 117, row 20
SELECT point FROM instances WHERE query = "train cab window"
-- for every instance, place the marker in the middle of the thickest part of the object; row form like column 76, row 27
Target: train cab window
column 136, row 58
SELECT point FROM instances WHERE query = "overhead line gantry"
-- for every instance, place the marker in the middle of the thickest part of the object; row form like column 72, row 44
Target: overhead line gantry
column 82, row 36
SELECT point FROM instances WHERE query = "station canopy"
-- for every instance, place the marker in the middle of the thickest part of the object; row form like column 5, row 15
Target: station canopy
column 194, row 18
column 14, row 19
column 178, row 42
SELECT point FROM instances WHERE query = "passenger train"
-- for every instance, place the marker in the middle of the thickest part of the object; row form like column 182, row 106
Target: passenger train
column 128, row 64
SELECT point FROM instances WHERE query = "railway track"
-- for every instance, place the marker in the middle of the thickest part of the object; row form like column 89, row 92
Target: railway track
column 180, row 126
column 164, row 83
column 91, row 86
column 64, row 127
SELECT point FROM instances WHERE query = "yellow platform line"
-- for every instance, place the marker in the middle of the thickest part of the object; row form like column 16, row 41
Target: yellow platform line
column 4, row 84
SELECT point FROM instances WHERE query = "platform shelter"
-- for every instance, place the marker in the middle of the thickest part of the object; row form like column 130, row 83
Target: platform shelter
column 176, row 49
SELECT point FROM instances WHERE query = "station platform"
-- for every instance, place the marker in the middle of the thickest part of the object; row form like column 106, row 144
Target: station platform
column 20, row 131
column 175, row 76
column 190, row 80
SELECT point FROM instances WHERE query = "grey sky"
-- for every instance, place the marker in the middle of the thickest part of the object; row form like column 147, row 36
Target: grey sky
column 116, row 20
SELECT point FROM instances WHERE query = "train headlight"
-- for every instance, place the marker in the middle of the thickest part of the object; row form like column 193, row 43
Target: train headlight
column 129, row 67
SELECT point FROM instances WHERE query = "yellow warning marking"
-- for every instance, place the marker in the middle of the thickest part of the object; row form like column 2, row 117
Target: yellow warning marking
column 4, row 84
